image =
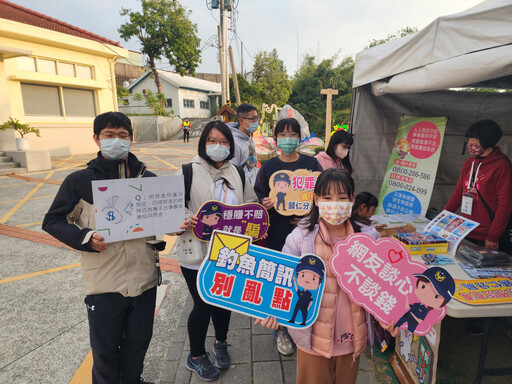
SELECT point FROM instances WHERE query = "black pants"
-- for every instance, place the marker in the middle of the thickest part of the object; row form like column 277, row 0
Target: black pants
column 199, row 318
column 120, row 330
column 186, row 135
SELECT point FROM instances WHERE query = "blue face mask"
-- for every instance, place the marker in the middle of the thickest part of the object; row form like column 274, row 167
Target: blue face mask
column 252, row 127
column 115, row 149
column 217, row 152
column 287, row 144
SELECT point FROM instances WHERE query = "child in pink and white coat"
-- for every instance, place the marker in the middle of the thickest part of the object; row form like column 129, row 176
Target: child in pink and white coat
column 329, row 350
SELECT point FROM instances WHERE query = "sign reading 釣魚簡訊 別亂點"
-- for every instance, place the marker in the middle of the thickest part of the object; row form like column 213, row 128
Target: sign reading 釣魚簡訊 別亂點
column 138, row 207
column 412, row 167
column 261, row 282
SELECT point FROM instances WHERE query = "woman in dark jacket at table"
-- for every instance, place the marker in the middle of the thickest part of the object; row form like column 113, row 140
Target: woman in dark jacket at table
column 486, row 179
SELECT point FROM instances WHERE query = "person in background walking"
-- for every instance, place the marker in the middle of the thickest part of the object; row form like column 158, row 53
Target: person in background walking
column 186, row 125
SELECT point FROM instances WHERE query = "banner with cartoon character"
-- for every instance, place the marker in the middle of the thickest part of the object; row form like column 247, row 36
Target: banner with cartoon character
column 292, row 192
column 139, row 207
column 246, row 219
column 415, row 357
column 412, row 167
column 381, row 277
column 261, row 282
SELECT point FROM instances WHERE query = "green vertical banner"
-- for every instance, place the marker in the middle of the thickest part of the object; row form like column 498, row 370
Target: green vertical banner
column 412, row 167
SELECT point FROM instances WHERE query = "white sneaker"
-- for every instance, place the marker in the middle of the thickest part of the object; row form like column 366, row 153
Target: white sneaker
column 284, row 343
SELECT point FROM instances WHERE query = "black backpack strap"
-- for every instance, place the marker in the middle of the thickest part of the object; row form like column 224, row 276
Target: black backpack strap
column 242, row 175
column 187, row 175
column 487, row 208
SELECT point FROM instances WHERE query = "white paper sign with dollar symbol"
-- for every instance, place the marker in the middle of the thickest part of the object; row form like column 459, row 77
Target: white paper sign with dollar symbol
column 139, row 207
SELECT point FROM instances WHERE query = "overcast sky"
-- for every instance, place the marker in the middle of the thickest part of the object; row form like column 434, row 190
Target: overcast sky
column 321, row 28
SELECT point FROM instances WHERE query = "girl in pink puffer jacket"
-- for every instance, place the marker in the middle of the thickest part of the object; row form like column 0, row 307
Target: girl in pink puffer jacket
column 329, row 350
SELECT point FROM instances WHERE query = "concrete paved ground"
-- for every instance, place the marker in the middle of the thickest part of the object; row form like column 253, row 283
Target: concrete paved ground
column 43, row 321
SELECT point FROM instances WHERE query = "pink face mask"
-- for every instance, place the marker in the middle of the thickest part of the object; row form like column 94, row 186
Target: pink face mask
column 475, row 149
column 335, row 212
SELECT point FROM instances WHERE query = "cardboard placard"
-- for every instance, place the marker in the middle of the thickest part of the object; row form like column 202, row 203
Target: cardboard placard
column 245, row 219
column 132, row 208
column 381, row 276
column 261, row 282
column 292, row 192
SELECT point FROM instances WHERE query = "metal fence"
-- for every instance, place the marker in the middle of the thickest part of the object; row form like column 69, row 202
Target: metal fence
column 154, row 128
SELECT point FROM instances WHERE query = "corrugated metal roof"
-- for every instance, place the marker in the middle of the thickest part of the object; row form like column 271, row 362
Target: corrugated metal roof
column 14, row 12
column 179, row 81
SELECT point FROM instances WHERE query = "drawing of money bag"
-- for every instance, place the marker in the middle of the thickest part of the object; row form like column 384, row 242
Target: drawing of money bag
column 112, row 214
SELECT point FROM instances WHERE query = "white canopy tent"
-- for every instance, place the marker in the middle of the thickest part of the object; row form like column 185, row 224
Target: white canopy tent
column 418, row 74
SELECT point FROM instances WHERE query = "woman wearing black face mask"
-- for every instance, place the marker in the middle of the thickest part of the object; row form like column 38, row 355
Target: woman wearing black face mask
column 484, row 189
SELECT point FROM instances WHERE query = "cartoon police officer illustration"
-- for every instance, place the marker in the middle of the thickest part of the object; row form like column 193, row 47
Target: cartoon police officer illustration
column 434, row 289
column 282, row 186
column 310, row 273
column 210, row 216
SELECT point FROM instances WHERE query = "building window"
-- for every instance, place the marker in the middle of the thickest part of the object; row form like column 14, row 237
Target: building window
column 41, row 100
column 204, row 104
column 53, row 67
column 46, row 66
column 78, row 102
column 66, row 69
column 83, row 72
column 188, row 103
column 169, row 103
column 26, row 63
column 57, row 101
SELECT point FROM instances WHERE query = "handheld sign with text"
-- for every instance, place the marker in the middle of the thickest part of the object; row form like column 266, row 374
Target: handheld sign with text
column 261, row 282
column 246, row 219
column 381, row 277
column 292, row 192
column 139, row 207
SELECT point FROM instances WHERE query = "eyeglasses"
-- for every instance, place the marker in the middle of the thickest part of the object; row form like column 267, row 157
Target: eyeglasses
column 252, row 119
column 111, row 135
column 221, row 142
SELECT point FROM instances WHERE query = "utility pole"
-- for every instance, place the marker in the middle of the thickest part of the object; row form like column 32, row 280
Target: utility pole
column 224, row 56
column 223, row 99
column 242, row 58
column 329, row 93
column 233, row 75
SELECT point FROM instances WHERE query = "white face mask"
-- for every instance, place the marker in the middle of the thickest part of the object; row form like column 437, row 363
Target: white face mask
column 252, row 127
column 341, row 152
column 115, row 149
column 217, row 152
column 335, row 212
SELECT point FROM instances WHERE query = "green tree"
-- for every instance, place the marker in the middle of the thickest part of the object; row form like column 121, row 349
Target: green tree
column 123, row 94
column 400, row 33
column 249, row 93
column 269, row 75
column 164, row 30
column 311, row 78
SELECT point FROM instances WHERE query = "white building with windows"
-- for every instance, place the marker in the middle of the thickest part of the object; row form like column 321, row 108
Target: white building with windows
column 56, row 77
column 186, row 96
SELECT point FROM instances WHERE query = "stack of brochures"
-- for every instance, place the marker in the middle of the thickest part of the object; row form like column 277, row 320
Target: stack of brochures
column 478, row 256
